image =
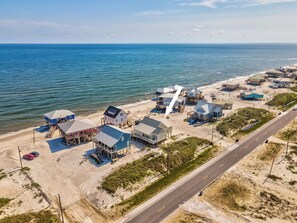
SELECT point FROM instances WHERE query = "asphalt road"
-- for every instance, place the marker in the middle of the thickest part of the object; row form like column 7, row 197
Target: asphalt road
column 169, row 203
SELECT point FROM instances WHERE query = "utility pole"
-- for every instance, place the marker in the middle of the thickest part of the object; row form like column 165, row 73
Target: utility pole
column 288, row 141
column 270, row 169
column 211, row 133
column 61, row 209
column 33, row 136
column 21, row 161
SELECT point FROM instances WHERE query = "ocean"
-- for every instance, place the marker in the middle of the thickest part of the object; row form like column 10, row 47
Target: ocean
column 38, row 78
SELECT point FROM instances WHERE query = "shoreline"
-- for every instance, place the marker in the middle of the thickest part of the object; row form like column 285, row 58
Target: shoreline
column 135, row 103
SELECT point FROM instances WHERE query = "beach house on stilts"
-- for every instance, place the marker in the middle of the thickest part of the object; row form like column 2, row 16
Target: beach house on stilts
column 77, row 131
column 112, row 142
column 55, row 117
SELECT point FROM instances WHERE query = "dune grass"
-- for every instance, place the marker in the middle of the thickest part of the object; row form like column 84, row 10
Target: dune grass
column 168, row 179
column 4, row 201
column 45, row 216
column 253, row 117
column 174, row 154
column 283, row 100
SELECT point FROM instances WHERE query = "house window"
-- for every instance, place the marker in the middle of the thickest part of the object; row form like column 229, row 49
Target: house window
column 121, row 114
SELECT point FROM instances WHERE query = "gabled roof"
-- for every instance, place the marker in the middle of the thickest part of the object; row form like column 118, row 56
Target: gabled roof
column 149, row 126
column 109, row 135
column 194, row 92
column 76, row 126
column 206, row 108
column 112, row 111
column 58, row 114
column 164, row 90
column 171, row 95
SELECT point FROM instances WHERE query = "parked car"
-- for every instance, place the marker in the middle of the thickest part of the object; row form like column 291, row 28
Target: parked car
column 295, row 108
column 36, row 154
column 28, row 157
column 192, row 121
column 31, row 156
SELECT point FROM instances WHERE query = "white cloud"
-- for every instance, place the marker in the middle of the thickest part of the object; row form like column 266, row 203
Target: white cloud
column 233, row 3
column 267, row 2
column 30, row 23
column 205, row 3
column 156, row 12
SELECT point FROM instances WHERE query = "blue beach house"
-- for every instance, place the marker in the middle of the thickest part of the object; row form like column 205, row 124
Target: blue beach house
column 251, row 96
column 58, row 116
column 205, row 111
column 110, row 141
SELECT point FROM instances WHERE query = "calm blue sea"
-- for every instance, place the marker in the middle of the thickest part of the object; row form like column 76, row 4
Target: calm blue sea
column 35, row 78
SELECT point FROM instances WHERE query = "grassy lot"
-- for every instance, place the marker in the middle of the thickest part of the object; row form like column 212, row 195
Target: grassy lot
column 175, row 154
column 283, row 100
column 252, row 118
column 269, row 151
column 168, row 179
column 36, row 217
column 4, row 201
column 290, row 133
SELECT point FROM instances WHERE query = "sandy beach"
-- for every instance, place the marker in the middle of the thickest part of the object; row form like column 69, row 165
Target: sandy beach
column 68, row 172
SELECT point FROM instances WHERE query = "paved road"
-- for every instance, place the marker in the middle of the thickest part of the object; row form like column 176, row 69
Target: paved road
column 169, row 203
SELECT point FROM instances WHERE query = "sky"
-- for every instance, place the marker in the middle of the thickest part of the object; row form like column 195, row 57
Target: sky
column 148, row 21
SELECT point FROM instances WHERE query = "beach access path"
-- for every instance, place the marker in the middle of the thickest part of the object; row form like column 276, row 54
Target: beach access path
column 163, row 204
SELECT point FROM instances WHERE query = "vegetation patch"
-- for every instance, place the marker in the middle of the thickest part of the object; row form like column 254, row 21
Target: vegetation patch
column 191, row 218
column 283, row 100
column 233, row 196
column 274, row 177
column 45, row 216
column 244, row 121
column 269, row 151
column 174, row 155
column 4, row 201
column 174, row 174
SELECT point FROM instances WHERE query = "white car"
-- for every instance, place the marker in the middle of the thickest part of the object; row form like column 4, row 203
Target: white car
column 295, row 108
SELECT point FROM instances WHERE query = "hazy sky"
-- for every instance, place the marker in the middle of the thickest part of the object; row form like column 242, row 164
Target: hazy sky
column 148, row 21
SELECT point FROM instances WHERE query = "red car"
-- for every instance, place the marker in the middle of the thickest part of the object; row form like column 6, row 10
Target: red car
column 28, row 156
column 31, row 156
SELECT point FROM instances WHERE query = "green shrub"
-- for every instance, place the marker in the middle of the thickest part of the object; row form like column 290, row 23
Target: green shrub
column 283, row 100
column 242, row 118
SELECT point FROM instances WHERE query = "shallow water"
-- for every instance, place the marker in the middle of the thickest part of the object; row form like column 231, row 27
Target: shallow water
column 35, row 79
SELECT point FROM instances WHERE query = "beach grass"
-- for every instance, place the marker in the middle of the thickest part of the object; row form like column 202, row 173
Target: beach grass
column 45, row 216
column 168, row 179
column 4, row 201
column 174, row 154
column 283, row 100
column 244, row 121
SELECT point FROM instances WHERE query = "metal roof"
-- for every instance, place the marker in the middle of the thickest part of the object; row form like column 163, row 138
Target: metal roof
column 109, row 135
column 112, row 111
column 205, row 107
column 76, row 126
column 149, row 126
column 58, row 114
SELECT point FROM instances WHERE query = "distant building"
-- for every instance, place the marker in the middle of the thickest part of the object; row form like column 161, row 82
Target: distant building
column 115, row 116
column 111, row 140
column 206, row 111
column 251, row 96
column 194, row 95
column 77, row 131
column 275, row 73
column 256, row 80
column 281, row 83
column 170, row 89
column 164, row 101
column 152, row 131
column 58, row 116
column 223, row 104
column 230, row 87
